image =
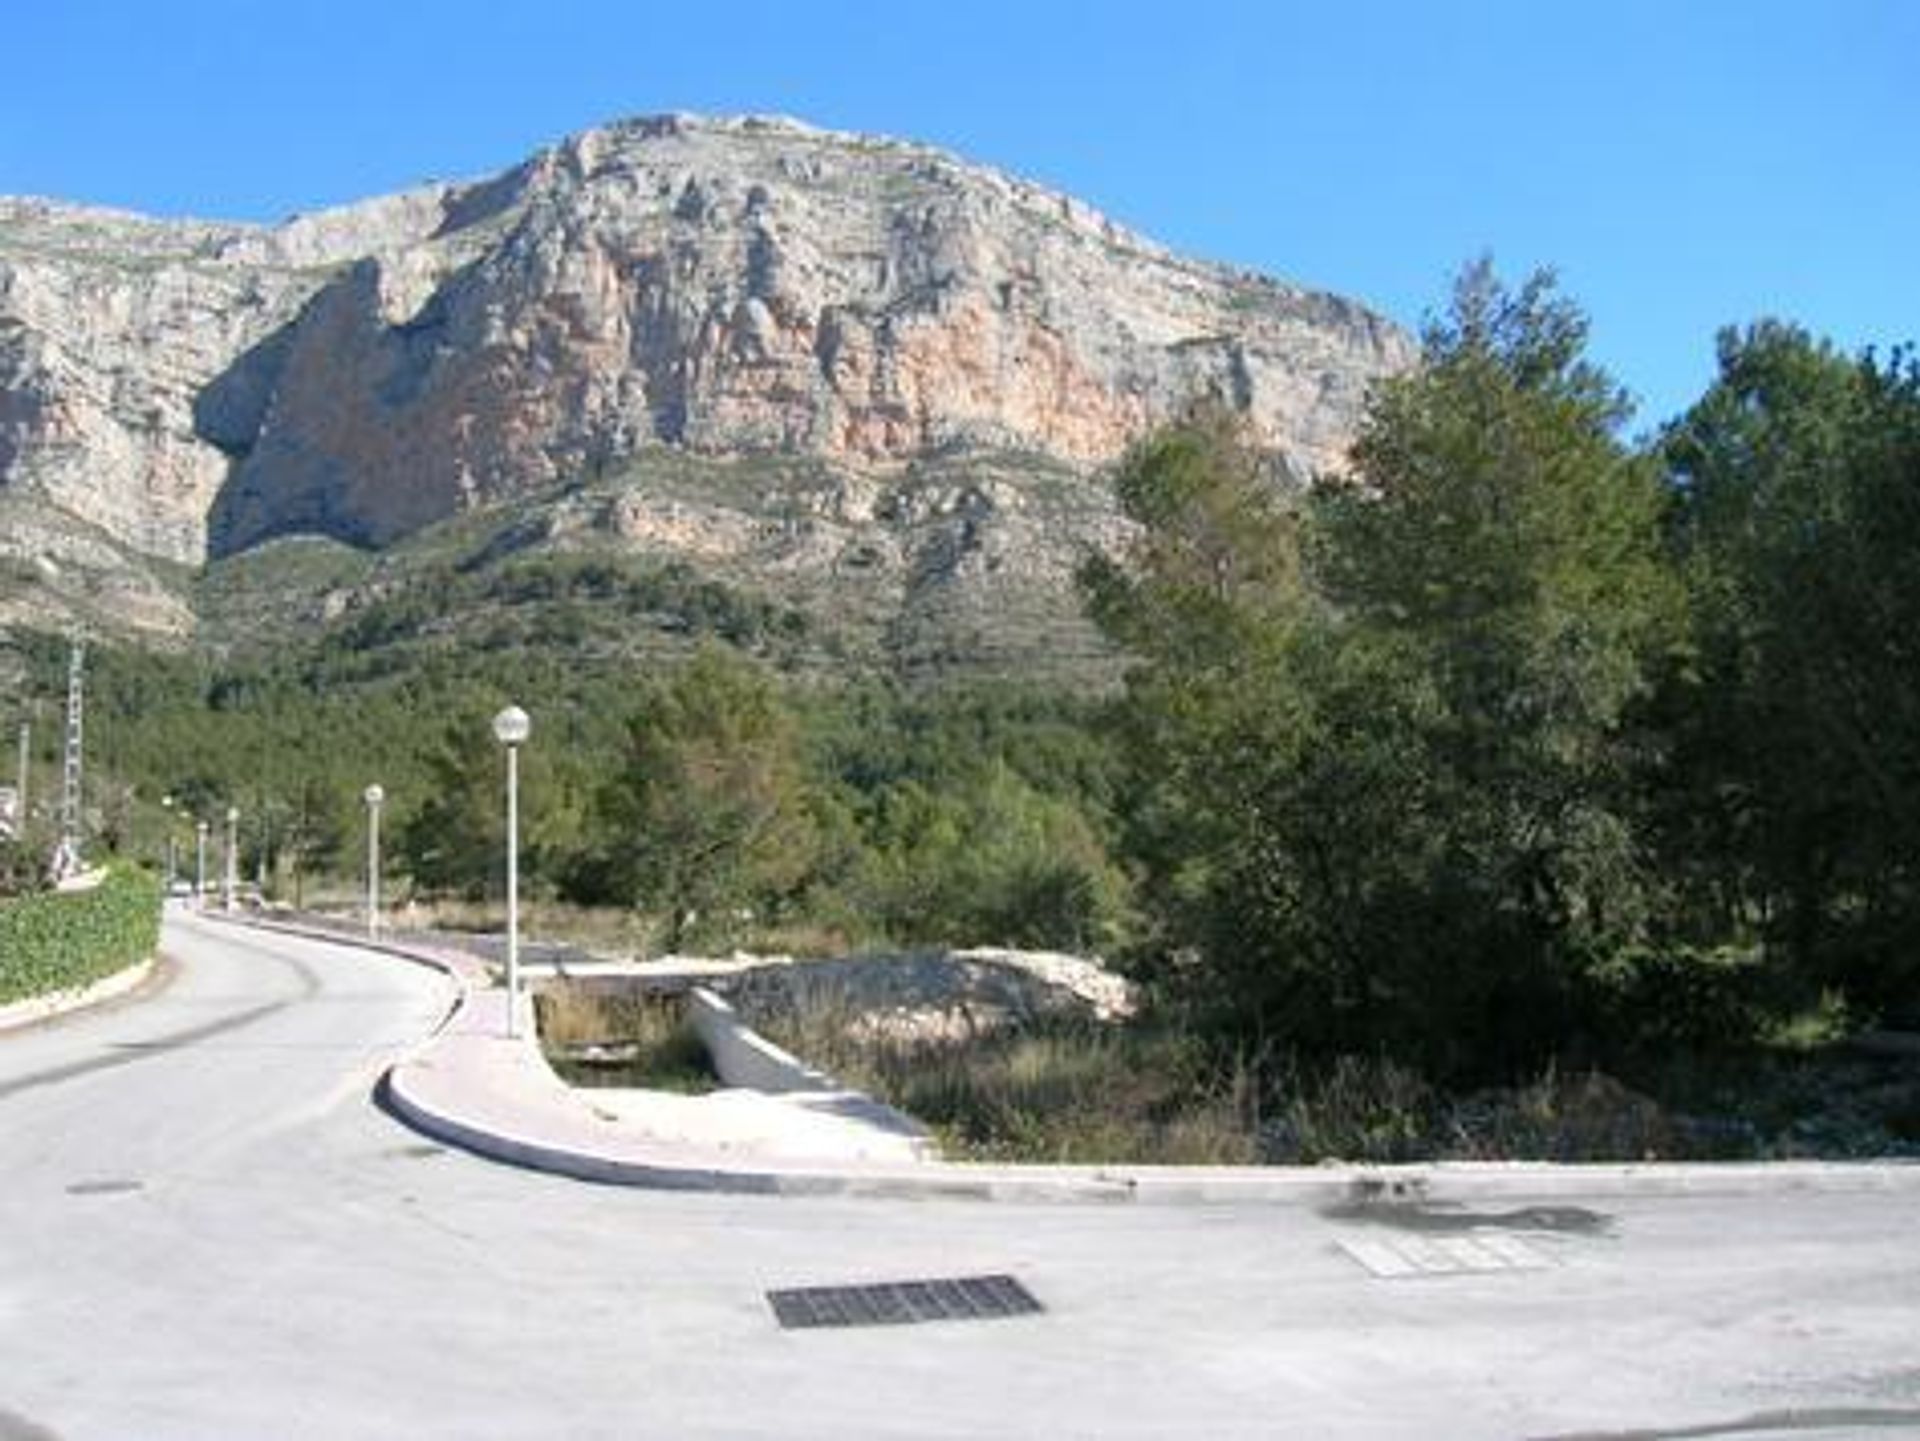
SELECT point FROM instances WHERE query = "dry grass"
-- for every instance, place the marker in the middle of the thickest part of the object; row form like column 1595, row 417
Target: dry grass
column 644, row 1041
column 602, row 930
column 1374, row 1110
column 1055, row 1092
column 1058, row 1092
column 1088, row 1093
column 613, row 931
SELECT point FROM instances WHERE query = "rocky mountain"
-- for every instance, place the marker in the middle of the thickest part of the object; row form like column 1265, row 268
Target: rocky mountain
column 854, row 373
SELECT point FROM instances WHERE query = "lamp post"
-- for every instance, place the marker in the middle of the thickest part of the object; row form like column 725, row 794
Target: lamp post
column 200, row 865
column 511, row 728
column 374, row 795
column 166, row 820
column 232, row 878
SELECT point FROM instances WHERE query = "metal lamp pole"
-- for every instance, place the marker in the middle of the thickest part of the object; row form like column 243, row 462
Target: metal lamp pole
column 166, row 819
column 200, row 865
column 232, row 878
column 511, row 728
column 373, row 795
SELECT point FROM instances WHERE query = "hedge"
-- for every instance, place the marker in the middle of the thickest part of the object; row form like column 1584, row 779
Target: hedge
column 63, row 939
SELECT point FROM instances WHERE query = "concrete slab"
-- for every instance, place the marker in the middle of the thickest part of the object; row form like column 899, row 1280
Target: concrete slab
column 791, row 1125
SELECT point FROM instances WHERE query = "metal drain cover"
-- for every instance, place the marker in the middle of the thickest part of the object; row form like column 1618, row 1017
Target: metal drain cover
column 903, row 1303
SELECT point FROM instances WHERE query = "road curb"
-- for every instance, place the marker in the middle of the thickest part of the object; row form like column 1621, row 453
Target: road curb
column 418, row 1091
column 409, row 1093
column 18, row 1015
column 457, row 965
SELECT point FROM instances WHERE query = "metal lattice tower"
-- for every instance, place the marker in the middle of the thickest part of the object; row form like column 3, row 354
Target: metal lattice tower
column 71, row 773
column 20, row 784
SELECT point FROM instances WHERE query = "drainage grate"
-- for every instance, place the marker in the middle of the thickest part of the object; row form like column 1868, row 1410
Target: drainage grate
column 903, row 1303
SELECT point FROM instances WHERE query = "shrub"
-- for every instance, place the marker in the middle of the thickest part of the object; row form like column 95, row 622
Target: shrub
column 1681, row 998
column 63, row 939
column 1053, row 1091
column 21, row 873
column 628, row 1040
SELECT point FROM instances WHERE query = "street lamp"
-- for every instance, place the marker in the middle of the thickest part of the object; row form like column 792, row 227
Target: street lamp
column 374, row 795
column 233, row 857
column 166, row 813
column 511, row 728
column 200, row 865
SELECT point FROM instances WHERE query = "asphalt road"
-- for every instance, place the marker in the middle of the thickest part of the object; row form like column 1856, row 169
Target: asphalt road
column 208, row 1229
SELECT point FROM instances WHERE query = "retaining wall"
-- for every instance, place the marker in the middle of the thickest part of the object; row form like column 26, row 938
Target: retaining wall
column 742, row 1056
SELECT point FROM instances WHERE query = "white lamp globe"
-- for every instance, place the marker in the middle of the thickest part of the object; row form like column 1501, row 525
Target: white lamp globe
column 512, row 726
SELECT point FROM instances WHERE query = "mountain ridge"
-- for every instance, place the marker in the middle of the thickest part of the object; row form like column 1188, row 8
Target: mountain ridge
column 742, row 289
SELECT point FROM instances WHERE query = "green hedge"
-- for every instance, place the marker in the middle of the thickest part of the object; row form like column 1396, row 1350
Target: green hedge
column 61, row 939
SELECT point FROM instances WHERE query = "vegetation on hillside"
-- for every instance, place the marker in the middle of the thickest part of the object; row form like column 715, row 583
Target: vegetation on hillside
column 1520, row 742
column 1519, row 745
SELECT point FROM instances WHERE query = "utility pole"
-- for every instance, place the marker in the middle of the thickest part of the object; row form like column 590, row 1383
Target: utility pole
column 71, row 772
column 20, row 785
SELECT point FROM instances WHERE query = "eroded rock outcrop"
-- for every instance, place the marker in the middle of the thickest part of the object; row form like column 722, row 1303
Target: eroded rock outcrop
column 756, row 286
column 723, row 288
column 114, row 331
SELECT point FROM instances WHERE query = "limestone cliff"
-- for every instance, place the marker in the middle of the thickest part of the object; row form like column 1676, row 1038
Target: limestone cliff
column 723, row 288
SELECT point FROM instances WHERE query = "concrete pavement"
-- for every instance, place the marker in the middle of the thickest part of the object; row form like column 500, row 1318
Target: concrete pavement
column 206, row 1232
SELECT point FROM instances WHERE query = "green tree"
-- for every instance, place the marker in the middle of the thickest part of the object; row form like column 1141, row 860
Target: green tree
column 1395, row 807
column 707, row 812
column 1796, row 812
column 22, row 869
column 1210, row 598
column 986, row 859
column 1217, row 557
column 453, row 837
column 315, row 834
column 1497, row 526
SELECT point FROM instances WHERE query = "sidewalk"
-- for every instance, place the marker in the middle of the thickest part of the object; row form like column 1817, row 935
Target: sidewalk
column 471, row 1085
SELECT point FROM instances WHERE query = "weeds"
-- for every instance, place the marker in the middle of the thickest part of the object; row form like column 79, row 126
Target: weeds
column 639, row 1041
column 597, row 929
column 1056, row 1091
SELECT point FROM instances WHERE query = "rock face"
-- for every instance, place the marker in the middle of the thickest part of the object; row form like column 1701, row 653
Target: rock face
column 711, row 287
column 119, row 334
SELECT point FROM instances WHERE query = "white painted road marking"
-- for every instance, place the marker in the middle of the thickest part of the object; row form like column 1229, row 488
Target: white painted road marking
column 1394, row 1258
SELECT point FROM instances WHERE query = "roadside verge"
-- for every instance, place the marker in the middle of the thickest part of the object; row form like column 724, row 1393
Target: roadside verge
column 35, row 1009
column 472, row 1086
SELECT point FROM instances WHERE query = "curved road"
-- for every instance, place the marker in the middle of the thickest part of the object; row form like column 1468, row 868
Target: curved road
column 208, row 1229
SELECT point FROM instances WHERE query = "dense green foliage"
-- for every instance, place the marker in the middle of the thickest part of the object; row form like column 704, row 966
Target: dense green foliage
column 709, row 794
column 1795, row 815
column 707, row 809
column 564, row 601
column 1383, row 738
column 1517, row 741
column 58, row 940
column 22, row 871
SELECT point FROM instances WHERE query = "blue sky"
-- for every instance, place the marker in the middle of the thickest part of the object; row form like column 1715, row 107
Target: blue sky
column 1682, row 165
